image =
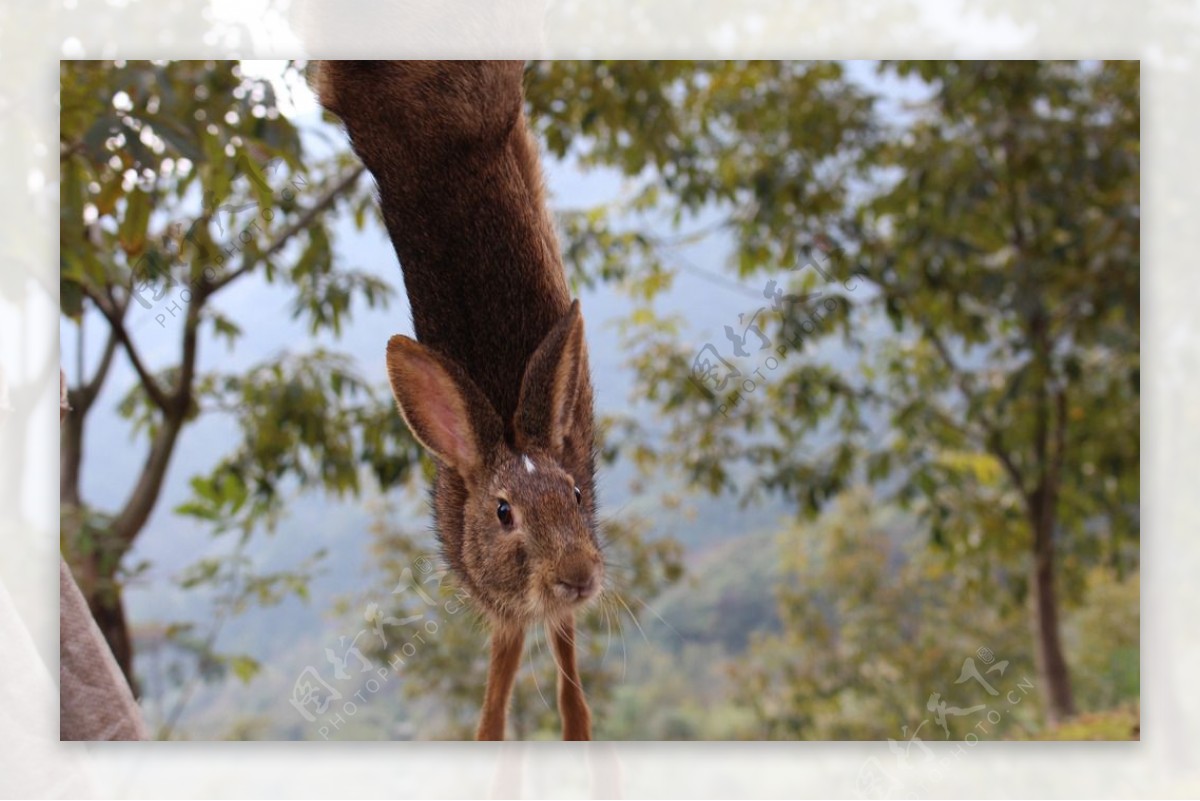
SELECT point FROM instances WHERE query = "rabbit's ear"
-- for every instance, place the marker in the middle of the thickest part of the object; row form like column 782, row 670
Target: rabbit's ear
column 444, row 409
column 551, row 384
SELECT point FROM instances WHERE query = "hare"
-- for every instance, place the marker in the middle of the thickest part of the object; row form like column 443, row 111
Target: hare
column 496, row 385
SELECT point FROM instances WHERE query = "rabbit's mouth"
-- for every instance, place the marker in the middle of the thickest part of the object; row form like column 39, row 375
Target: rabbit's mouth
column 576, row 592
column 570, row 589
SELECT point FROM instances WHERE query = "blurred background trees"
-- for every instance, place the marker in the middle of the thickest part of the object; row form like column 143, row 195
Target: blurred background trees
column 879, row 330
column 975, row 251
column 179, row 180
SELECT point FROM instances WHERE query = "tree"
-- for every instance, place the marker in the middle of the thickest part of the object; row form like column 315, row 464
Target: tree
column 1013, row 252
column 993, row 223
column 180, row 180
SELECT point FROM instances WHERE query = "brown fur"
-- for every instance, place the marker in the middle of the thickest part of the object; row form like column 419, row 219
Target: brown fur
column 497, row 386
column 502, row 674
column 577, row 719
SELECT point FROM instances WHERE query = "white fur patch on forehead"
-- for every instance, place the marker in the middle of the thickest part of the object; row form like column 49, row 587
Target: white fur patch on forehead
column 529, row 468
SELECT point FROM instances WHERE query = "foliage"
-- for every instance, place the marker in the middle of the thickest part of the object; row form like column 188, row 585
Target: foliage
column 683, row 693
column 975, row 255
column 1104, row 637
column 933, row 246
column 310, row 420
column 160, row 162
column 873, row 623
column 1011, row 249
column 182, row 656
column 179, row 180
column 1119, row 723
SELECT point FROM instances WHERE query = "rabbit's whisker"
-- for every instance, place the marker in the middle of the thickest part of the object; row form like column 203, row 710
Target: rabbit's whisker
column 529, row 666
column 561, row 630
column 608, row 638
column 652, row 611
column 632, row 616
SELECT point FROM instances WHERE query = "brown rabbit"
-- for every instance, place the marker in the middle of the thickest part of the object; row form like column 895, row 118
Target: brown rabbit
column 497, row 385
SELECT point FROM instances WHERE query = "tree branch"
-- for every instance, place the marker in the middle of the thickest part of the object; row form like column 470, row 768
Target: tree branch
column 993, row 440
column 182, row 397
column 960, row 377
column 301, row 223
column 89, row 391
column 1060, row 442
column 145, row 493
column 115, row 314
column 141, row 501
column 80, row 347
column 65, row 151
column 997, row 450
column 1041, row 425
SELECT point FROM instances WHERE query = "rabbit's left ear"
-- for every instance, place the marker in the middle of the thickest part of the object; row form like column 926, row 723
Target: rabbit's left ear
column 444, row 409
column 550, row 387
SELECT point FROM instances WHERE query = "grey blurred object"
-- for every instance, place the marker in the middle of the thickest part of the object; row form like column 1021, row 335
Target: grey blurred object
column 94, row 702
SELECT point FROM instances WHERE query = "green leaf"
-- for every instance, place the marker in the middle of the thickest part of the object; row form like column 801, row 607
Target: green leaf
column 244, row 667
column 259, row 186
column 225, row 327
column 70, row 299
column 177, row 136
column 132, row 230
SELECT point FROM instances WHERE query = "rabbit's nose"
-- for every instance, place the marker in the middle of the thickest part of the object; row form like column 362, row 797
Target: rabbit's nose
column 577, row 582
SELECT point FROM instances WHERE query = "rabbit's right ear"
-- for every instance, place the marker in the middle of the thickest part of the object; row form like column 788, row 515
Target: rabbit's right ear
column 443, row 408
column 551, row 384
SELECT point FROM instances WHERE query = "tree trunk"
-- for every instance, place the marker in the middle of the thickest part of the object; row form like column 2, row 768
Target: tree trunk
column 70, row 457
column 94, row 553
column 107, row 607
column 1056, row 675
column 1050, row 448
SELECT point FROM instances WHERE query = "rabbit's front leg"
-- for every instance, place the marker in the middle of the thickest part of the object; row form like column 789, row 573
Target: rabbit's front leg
column 572, row 706
column 507, row 643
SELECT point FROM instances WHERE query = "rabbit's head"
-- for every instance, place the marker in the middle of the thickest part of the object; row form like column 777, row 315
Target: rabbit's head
column 515, row 510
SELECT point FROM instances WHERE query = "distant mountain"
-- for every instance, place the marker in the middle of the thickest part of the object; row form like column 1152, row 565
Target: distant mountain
column 726, row 595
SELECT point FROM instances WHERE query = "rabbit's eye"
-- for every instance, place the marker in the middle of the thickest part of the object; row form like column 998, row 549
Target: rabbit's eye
column 504, row 513
column 578, row 496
